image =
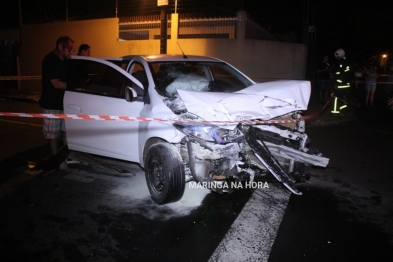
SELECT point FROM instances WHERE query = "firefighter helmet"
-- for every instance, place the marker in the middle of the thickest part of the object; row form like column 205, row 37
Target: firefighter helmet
column 339, row 53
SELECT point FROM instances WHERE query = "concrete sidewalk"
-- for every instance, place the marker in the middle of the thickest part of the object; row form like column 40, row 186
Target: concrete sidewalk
column 17, row 95
column 320, row 115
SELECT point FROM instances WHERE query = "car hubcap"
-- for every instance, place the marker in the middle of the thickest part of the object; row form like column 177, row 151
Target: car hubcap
column 156, row 175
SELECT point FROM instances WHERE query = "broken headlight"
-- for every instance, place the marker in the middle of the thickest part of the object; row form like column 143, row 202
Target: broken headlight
column 210, row 133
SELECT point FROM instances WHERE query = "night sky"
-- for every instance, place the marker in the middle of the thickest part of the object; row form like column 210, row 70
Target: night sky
column 359, row 27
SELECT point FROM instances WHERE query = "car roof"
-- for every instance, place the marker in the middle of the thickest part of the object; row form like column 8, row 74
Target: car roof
column 169, row 58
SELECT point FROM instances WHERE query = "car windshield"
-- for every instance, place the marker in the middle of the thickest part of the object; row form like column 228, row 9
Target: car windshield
column 197, row 76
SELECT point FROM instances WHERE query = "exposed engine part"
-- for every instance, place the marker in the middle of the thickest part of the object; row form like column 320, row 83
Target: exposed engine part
column 264, row 155
column 291, row 149
column 211, row 151
column 217, row 176
column 296, row 155
column 274, row 149
column 291, row 166
column 299, row 126
column 228, row 164
column 282, row 135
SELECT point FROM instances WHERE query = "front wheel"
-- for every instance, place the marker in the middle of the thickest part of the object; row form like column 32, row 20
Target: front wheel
column 165, row 175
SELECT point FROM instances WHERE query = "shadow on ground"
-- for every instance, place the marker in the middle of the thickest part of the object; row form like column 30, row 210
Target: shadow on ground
column 39, row 156
column 316, row 231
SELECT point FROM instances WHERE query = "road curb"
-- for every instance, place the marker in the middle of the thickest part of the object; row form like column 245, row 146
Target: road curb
column 32, row 97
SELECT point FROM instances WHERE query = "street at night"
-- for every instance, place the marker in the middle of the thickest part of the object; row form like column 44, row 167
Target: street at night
column 163, row 104
column 100, row 209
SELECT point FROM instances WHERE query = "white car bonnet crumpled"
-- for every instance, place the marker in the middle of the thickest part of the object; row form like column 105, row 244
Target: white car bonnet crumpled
column 260, row 101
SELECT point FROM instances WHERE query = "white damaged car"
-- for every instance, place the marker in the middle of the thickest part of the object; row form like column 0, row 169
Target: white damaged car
column 189, row 118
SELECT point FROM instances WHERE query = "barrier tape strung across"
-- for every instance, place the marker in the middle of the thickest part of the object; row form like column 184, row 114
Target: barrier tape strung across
column 145, row 119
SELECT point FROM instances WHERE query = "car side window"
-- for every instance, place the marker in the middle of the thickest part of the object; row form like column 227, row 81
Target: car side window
column 92, row 77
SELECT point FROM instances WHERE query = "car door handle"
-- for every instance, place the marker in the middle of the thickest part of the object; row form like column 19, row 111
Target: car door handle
column 75, row 108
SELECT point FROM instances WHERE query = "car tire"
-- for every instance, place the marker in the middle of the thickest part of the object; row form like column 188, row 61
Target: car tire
column 165, row 175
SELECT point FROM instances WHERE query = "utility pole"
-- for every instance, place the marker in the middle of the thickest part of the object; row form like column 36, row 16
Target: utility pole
column 163, row 36
column 66, row 10
column 164, row 26
column 20, row 14
column 117, row 7
column 20, row 42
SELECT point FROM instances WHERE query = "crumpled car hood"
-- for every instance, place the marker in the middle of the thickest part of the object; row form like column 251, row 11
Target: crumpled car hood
column 260, row 101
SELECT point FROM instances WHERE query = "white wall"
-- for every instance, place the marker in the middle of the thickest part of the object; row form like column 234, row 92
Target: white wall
column 259, row 59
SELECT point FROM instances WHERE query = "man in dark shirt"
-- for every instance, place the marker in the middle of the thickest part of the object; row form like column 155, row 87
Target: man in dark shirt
column 54, row 76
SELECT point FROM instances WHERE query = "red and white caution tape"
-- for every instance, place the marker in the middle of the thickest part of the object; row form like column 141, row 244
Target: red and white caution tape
column 146, row 119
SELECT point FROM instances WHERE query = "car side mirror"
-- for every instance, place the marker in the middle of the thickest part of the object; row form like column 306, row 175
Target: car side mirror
column 130, row 94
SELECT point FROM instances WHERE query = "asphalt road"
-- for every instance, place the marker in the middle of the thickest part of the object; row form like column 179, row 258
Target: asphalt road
column 346, row 211
column 94, row 212
column 18, row 135
column 86, row 213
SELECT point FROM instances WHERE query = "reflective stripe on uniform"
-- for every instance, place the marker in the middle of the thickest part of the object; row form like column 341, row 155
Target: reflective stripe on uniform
column 335, row 107
column 344, row 86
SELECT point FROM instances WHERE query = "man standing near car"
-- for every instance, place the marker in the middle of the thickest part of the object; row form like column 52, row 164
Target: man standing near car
column 54, row 75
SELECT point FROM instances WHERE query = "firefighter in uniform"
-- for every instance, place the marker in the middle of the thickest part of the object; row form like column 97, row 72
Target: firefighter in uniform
column 341, row 82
